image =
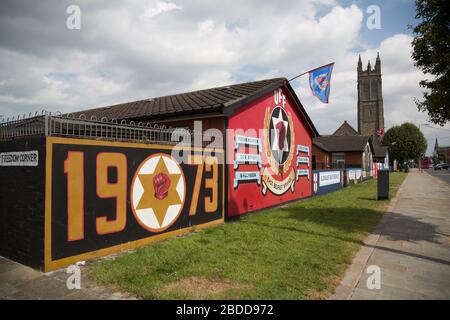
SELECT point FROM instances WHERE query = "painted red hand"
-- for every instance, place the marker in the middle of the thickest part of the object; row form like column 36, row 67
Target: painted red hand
column 281, row 135
column 161, row 184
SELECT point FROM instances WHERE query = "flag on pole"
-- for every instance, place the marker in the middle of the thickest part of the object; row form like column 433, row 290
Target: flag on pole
column 319, row 82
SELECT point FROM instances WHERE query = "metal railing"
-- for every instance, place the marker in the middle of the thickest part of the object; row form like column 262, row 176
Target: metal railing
column 21, row 128
column 103, row 129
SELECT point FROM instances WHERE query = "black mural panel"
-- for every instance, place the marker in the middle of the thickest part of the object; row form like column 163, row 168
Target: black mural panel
column 156, row 191
column 22, row 191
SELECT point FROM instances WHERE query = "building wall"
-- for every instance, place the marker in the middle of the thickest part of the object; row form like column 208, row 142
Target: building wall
column 326, row 181
column 22, row 194
column 110, row 196
column 270, row 184
column 89, row 198
column 353, row 159
column 323, row 158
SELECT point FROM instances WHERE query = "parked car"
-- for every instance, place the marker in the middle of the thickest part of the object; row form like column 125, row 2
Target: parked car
column 441, row 166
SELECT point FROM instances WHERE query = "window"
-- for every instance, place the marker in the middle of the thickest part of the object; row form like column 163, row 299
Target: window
column 369, row 89
column 366, row 90
column 338, row 160
column 373, row 89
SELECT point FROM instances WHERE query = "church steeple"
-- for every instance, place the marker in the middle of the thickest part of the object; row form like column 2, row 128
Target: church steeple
column 378, row 63
column 370, row 100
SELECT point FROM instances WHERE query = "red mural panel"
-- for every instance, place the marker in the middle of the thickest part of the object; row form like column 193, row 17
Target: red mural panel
column 269, row 154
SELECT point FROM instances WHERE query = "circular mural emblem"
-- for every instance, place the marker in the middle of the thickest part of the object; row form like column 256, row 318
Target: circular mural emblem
column 278, row 143
column 280, row 135
column 158, row 192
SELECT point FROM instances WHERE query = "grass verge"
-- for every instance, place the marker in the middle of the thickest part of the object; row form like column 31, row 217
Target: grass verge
column 299, row 251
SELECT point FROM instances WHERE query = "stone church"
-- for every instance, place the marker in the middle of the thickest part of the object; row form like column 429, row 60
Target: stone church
column 370, row 100
column 367, row 139
column 370, row 104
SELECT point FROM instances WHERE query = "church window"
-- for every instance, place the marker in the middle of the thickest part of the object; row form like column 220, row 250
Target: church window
column 373, row 89
column 366, row 90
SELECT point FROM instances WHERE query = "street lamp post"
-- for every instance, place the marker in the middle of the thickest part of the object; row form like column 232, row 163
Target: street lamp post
column 393, row 143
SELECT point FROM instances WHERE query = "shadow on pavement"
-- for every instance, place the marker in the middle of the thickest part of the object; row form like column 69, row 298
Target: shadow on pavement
column 399, row 227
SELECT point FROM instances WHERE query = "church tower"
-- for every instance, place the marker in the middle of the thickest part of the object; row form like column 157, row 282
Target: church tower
column 370, row 100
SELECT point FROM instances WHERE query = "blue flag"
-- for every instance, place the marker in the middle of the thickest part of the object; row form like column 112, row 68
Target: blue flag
column 319, row 81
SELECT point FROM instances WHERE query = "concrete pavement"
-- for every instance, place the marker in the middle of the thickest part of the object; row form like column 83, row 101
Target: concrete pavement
column 410, row 245
column 18, row 282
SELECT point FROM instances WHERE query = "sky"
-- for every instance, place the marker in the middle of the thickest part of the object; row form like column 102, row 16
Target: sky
column 137, row 49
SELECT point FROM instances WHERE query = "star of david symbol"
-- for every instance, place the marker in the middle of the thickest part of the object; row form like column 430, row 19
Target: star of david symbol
column 280, row 135
column 158, row 191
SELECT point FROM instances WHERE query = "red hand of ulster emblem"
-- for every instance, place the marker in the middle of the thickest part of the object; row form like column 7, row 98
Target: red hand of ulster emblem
column 281, row 135
column 161, row 184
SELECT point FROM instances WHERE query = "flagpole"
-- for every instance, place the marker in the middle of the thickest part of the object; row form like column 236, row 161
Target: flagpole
column 302, row 74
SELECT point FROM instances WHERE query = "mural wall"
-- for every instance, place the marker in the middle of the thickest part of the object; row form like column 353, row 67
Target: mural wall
column 353, row 176
column 269, row 154
column 325, row 181
column 107, row 196
column 22, row 192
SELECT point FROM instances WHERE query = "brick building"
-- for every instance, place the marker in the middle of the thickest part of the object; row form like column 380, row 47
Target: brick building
column 343, row 149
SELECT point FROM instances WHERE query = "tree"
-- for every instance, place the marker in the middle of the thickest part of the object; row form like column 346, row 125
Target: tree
column 435, row 159
column 431, row 52
column 404, row 142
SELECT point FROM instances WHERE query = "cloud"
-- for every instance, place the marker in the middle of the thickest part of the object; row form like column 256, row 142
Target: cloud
column 139, row 49
column 400, row 86
column 160, row 7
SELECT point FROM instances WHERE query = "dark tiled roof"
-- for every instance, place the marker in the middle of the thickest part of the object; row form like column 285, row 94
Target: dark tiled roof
column 320, row 145
column 201, row 101
column 342, row 143
column 345, row 130
column 380, row 151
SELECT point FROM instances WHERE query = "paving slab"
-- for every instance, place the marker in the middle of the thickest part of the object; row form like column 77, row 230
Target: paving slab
column 412, row 247
column 18, row 282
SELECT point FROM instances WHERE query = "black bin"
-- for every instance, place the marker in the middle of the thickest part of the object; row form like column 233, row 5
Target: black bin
column 383, row 184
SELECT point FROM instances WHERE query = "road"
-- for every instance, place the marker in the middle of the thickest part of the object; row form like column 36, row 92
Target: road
column 441, row 174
